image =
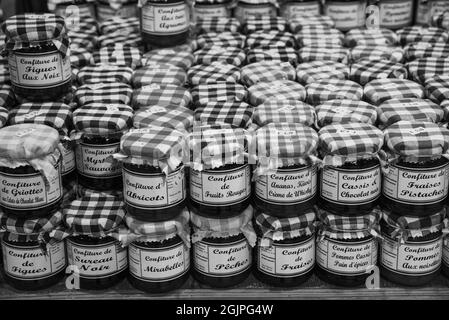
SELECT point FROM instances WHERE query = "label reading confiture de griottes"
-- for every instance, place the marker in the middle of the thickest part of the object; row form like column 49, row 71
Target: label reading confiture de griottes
column 165, row 19
column 31, row 263
column 158, row 264
column 96, row 161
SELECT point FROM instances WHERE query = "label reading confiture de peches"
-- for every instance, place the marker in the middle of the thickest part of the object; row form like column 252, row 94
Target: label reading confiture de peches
column 347, row 15
column 96, row 161
column 395, row 14
column 165, row 19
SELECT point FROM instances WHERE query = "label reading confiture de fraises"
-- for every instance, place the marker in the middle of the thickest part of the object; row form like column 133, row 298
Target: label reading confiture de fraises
column 158, row 264
column 410, row 258
column 222, row 260
column 31, row 263
column 96, row 161
column 346, row 15
column 395, row 14
column 165, row 19
column 287, row 260
column 97, row 261
column 297, row 9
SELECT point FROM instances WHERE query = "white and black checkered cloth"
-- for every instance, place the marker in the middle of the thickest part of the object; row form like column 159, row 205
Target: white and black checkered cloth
column 409, row 109
column 115, row 93
column 425, row 49
column 174, row 117
column 440, row 20
column 266, row 71
column 222, row 39
column 236, row 113
column 437, row 88
column 417, row 34
column 129, row 39
column 445, row 106
column 270, row 38
column 323, row 52
column 80, row 57
column 215, row 72
column 86, row 26
column 217, row 92
column 303, row 21
column 378, row 91
column 366, row 71
column 282, row 54
column 264, row 23
column 118, row 54
column 357, row 37
column 426, row 68
column 277, row 89
column 159, row 73
column 82, row 41
column 217, row 24
column 105, row 73
column 330, row 89
column 161, row 95
column 181, row 59
column 313, row 35
column 312, row 71
column 125, row 25
column 376, row 52
column 345, row 111
column 277, row 111
column 3, row 117
column 4, row 75
column 231, row 55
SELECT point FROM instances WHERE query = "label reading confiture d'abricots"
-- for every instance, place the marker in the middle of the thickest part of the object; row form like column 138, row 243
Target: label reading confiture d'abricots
column 165, row 19
column 96, row 161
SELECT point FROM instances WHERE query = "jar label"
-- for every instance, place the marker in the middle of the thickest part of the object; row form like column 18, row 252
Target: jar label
column 242, row 12
column 287, row 260
column 287, row 186
column 165, row 19
column 210, row 11
column 222, row 259
column 31, row 263
column 39, row 70
column 159, row 264
column 28, row 191
column 298, row 9
column 222, row 187
column 105, row 12
column 416, row 186
column 414, row 259
column 346, row 258
column 428, row 8
column 346, row 15
column 153, row 190
column 95, row 161
column 97, row 261
column 395, row 14
column 350, row 186
column 446, row 251
column 68, row 159
column 81, row 10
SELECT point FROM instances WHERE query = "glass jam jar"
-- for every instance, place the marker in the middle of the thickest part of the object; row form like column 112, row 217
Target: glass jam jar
column 39, row 63
column 347, row 14
column 212, row 8
column 396, row 14
column 255, row 8
column 425, row 9
column 297, row 8
column 117, row 8
column 80, row 8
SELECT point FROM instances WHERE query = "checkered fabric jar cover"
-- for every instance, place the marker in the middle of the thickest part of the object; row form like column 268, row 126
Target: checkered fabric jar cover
column 313, row 71
column 330, row 89
column 418, row 34
column 181, row 59
column 82, row 41
column 161, row 95
column 313, row 35
column 88, row 26
column 124, row 25
column 236, row 113
column 266, row 71
column 426, row 68
column 217, row 24
column 381, row 90
column 445, row 106
column 278, row 89
column 437, row 88
column 128, row 39
column 282, row 54
column 323, row 52
column 215, row 72
column 345, row 111
column 440, row 20
column 276, row 111
column 205, row 93
column 3, row 117
column 4, row 75
column 307, row 20
column 159, row 73
column 222, row 39
column 357, row 37
column 264, row 23
column 173, row 117
column 80, row 57
column 206, row 56
column 365, row 71
column 118, row 54
column 270, row 38
column 104, row 73
column 376, row 52
column 109, row 93
column 419, row 50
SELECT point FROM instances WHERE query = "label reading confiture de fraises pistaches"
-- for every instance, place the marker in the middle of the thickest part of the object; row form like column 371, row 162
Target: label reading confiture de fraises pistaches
column 96, row 161
column 165, row 19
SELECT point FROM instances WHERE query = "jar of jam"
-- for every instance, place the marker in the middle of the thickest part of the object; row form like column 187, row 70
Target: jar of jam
column 345, row 111
column 286, row 173
column 99, row 128
column 395, row 14
column 212, row 8
column 291, row 9
column 415, row 182
column 30, row 170
column 426, row 9
column 93, row 246
column 220, row 176
column 346, row 249
column 285, row 251
column 347, row 14
column 285, row 111
column 37, row 50
column 222, row 249
column 245, row 9
column 116, row 8
column 164, row 23
column 411, row 249
column 75, row 8
column 351, row 174
column 175, row 117
column 32, row 258
column 154, row 186
column 159, row 254
column 445, row 267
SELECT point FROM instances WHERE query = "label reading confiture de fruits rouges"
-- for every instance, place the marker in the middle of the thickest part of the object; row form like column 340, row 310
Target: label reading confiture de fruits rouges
column 31, row 263
column 222, row 260
column 165, row 19
column 411, row 258
column 287, row 260
column 220, row 187
column 346, row 15
column 418, row 186
column 158, row 264
column 346, row 258
column 97, row 261
column 96, row 160
column 395, row 14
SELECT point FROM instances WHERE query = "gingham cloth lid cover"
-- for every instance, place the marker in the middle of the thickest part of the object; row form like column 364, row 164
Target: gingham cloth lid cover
column 3, row 116
column 423, row 49
column 217, row 24
column 82, row 41
column 161, row 94
column 365, row 71
column 217, row 92
column 437, row 88
column 278, row 229
column 118, row 54
column 143, row 231
column 265, row 71
column 7, row 97
column 101, row 73
column 376, row 52
column 278, row 89
column 415, row 140
column 4, row 75
column 99, row 118
column 440, row 20
column 264, row 23
column 405, row 227
column 349, row 142
column 274, row 111
column 30, row 144
column 160, row 147
column 159, row 73
column 181, row 59
column 53, row 114
column 222, row 228
column 445, row 106
column 312, row 71
column 300, row 20
column 410, row 109
column 80, row 57
column 427, row 68
column 29, row 30
column 381, row 90
column 222, row 39
column 418, row 33
column 122, row 24
column 231, row 55
column 276, row 53
column 310, row 35
column 215, row 145
column 348, row 227
column 326, row 52
column 174, row 117
column 129, row 39
column 345, row 111
column 236, row 113
column 329, row 89
column 370, row 36
column 215, row 72
column 273, row 37
column 113, row 92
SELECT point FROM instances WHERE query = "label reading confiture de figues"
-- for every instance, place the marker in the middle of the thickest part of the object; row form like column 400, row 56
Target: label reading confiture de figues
column 96, row 161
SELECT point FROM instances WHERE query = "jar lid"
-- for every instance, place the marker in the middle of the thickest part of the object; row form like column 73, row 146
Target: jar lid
column 312, row 71
column 177, row 118
column 222, row 228
column 128, row 39
column 311, row 35
column 236, row 113
column 4, row 74
column 323, row 51
column 437, row 88
column 376, row 36
column 234, row 56
column 440, row 20
column 212, row 1
column 264, row 23
column 107, row 93
column 205, row 93
column 381, row 90
column 418, row 33
column 118, row 54
column 88, row 26
column 104, row 73
column 329, row 89
column 79, row 57
column 345, row 111
column 53, row 114
column 275, row 111
column 217, row 24
column 80, row 41
column 366, row 71
column 3, row 117
column 98, row 118
column 266, row 71
column 159, row 73
column 422, row 49
column 278, row 89
column 299, row 21
column 349, row 142
column 416, row 139
column 427, row 68
column 7, row 97
column 223, row 39
column 215, row 72
column 161, row 95
column 171, row 56
column 122, row 24
column 270, row 38
column 376, row 52
column 282, row 54
column 29, row 30
column 410, row 109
